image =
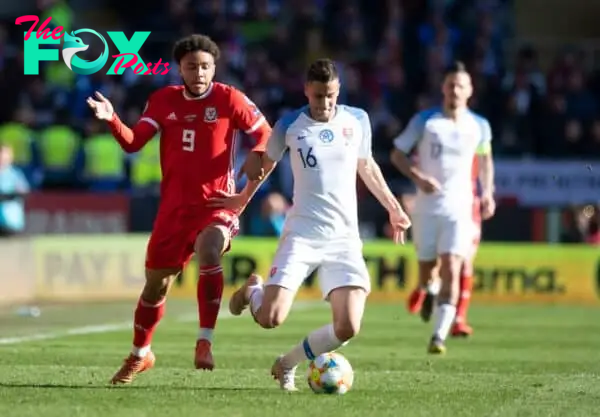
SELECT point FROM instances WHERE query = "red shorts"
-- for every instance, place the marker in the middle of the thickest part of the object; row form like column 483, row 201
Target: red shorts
column 171, row 243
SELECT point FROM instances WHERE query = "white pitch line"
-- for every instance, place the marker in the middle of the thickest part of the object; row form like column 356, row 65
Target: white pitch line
column 100, row 328
column 113, row 327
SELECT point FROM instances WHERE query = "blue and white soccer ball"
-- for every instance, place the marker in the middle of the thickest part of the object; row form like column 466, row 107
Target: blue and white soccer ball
column 330, row 373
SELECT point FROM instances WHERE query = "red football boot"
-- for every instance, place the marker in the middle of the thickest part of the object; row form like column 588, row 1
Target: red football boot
column 415, row 300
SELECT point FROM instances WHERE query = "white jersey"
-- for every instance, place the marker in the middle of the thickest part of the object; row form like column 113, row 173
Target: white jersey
column 324, row 158
column 446, row 150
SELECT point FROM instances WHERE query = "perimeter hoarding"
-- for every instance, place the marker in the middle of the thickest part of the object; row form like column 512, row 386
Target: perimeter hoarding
column 111, row 267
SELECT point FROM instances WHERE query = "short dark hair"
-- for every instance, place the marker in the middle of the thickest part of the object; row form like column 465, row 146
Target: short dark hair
column 322, row 71
column 194, row 43
column 455, row 68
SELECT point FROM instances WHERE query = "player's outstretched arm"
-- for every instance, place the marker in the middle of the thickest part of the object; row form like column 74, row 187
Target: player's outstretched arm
column 371, row 174
column 131, row 140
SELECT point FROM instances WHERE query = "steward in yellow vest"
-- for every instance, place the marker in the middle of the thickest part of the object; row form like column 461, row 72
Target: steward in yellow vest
column 104, row 168
column 145, row 173
column 60, row 156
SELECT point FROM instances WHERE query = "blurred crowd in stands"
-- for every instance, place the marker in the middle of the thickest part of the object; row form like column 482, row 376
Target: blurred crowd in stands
column 391, row 55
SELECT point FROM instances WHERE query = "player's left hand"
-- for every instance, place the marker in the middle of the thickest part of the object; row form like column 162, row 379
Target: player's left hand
column 253, row 167
column 488, row 207
column 234, row 202
column 102, row 107
column 400, row 223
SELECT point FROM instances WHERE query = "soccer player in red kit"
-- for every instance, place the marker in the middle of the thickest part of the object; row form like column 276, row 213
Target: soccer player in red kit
column 198, row 122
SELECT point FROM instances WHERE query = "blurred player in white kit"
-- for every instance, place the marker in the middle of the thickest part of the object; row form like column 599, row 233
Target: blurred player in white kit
column 328, row 145
column 422, row 298
column 447, row 140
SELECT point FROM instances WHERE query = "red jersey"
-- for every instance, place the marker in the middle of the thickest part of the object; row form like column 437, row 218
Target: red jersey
column 197, row 146
column 197, row 139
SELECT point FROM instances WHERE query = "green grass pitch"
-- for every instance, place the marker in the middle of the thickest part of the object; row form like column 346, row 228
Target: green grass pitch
column 522, row 361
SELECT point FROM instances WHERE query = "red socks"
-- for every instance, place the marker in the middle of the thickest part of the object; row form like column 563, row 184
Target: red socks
column 148, row 315
column 146, row 318
column 466, row 286
column 209, row 292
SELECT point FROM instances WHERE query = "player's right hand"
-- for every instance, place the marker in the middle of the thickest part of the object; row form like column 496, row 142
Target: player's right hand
column 235, row 202
column 428, row 185
column 400, row 223
column 102, row 108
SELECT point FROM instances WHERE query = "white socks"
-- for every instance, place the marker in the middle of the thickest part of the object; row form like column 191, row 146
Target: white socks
column 256, row 296
column 445, row 314
column 434, row 286
column 319, row 341
column 140, row 352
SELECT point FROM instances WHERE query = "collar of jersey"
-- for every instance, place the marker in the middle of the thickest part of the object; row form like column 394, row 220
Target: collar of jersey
column 201, row 96
column 306, row 114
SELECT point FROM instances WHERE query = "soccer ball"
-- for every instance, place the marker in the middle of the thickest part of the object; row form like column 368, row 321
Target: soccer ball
column 330, row 373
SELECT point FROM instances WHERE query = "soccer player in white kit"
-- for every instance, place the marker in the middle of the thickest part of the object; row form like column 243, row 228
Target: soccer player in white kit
column 328, row 145
column 447, row 139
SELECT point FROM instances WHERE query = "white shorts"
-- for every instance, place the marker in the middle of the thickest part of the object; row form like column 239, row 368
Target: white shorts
column 340, row 264
column 434, row 235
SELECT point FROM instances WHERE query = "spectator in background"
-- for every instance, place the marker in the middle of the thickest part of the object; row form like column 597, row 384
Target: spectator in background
column 565, row 65
column 573, row 141
column 38, row 97
column 13, row 187
column 355, row 95
column 61, row 156
column 521, row 100
column 59, row 10
column 19, row 136
column 527, row 64
column 104, row 160
column 272, row 216
column 551, row 125
column 436, row 32
column 391, row 54
column 395, row 93
column 581, row 103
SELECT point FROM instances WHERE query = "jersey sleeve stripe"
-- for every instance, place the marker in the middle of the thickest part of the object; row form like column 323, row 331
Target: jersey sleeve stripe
column 151, row 121
column 256, row 125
